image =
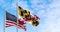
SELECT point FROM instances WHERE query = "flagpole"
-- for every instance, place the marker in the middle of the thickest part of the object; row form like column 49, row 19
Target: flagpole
column 17, row 16
column 4, row 18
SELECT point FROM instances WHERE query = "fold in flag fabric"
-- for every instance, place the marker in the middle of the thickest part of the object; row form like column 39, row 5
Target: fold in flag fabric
column 11, row 20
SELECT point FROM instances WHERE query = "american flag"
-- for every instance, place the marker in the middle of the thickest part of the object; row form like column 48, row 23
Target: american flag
column 12, row 20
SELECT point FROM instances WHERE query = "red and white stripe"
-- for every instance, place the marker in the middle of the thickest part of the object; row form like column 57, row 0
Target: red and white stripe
column 22, row 26
column 12, row 23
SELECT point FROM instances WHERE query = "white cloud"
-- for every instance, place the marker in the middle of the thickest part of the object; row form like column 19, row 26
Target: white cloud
column 40, row 4
column 52, row 20
column 14, row 5
column 23, row 4
column 55, row 3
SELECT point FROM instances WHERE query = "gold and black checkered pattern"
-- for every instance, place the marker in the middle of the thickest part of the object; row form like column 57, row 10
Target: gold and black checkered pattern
column 23, row 13
column 34, row 23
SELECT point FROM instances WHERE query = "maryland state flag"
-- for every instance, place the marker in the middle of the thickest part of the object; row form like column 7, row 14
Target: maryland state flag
column 28, row 16
column 11, row 20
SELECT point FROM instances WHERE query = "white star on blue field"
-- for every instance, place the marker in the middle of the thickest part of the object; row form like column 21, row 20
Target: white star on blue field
column 47, row 10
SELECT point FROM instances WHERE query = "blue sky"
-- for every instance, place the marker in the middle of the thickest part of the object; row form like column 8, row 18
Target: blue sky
column 47, row 10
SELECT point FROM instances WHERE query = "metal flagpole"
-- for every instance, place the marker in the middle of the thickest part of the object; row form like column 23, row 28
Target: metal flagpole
column 4, row 18
column 17, row 16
